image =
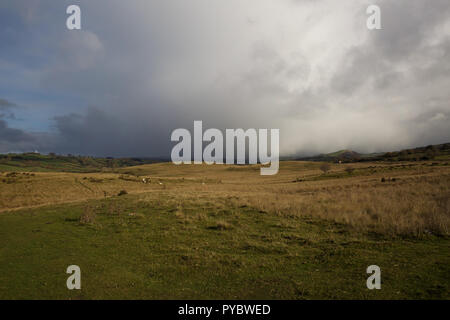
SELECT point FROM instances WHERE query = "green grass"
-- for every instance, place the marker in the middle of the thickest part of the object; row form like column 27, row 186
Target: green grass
column 157, row 248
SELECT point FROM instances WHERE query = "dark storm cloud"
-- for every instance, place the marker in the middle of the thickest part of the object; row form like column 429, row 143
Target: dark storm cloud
column 12, row 135
column 98, row 132
column 310, row 68
column 5, row 104
column 6, row 109
column 13, row 140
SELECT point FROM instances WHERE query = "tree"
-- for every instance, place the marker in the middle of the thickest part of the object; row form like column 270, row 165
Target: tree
column 325, row 167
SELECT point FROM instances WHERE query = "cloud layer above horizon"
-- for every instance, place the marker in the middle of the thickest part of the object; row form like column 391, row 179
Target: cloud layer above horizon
column 140, row 69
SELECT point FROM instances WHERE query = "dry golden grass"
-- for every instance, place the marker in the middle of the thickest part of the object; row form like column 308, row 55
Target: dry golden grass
column 413, row 200
column 413, row 206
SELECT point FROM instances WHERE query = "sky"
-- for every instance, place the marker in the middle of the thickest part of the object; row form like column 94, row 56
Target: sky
column 139, row 69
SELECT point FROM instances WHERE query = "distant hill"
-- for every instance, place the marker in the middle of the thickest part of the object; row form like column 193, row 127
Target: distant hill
column 72, row 163
column 69, row 163
column 432, row 152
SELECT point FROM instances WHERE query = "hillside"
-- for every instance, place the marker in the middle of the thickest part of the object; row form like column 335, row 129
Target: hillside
column 70, row 163
column 439, row 152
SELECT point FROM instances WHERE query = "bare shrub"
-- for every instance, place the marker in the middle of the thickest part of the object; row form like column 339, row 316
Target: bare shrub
column 221, row 225
column 325, row 167
column 88, row 216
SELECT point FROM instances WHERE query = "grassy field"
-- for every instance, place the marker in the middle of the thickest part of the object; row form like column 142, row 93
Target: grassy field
column 225, row 232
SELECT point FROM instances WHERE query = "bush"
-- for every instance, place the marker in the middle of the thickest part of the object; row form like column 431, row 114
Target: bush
column 221, row 225
column 88, row 216
column 325, row 167
column 349, row 170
